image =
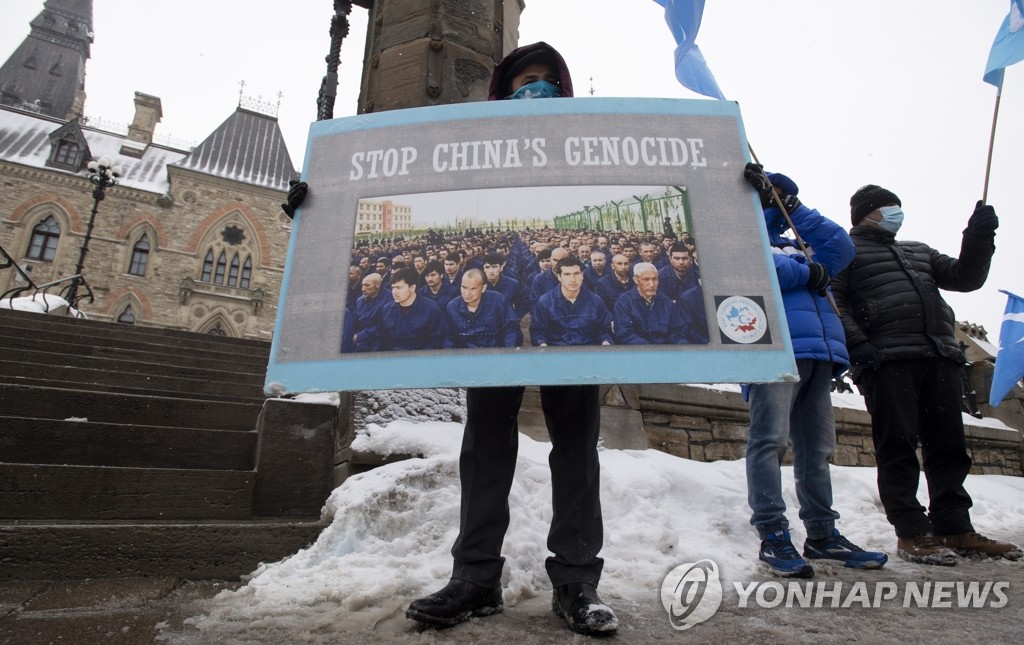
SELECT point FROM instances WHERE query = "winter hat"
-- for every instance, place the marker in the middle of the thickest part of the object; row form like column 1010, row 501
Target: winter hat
column 868, row 198
column 515, row 62
column 783, row 183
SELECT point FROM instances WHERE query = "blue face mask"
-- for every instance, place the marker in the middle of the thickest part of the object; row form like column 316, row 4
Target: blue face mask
column 536, row 90
column 892, row 218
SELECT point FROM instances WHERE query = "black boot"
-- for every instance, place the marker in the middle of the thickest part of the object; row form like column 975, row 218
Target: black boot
column 580, row 606
column 456, row 603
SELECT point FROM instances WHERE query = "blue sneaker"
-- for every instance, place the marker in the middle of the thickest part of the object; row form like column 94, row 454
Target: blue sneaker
column 778, row 552
column 839, row 549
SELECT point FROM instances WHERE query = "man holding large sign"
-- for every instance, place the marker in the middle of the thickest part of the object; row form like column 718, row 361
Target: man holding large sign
column 516, row 176
column 490, row 442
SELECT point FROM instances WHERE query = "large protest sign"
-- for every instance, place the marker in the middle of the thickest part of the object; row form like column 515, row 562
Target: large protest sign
column 429, row 185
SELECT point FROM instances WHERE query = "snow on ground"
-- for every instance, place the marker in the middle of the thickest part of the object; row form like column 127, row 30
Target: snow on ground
column 391, row 530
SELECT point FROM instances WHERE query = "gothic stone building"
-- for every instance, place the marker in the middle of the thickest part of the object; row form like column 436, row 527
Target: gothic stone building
column 187, row 239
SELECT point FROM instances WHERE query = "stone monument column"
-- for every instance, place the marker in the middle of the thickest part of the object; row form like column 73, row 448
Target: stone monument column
column 434, row 52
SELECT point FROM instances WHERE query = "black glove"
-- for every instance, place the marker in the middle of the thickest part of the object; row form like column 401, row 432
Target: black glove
column 818, row 280
column 754, row 174
column 791, row 203
column 863, row 355
column 296, row 194
column 983, row 219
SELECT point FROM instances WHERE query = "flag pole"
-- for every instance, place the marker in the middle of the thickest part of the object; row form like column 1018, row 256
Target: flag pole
column 789, row 222
column 991, row 143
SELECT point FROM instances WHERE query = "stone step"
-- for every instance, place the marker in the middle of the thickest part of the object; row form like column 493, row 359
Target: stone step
column 107, row 407
column 76, row 443
column 34, row 320
column 170, row 356
column 148, row 386
column 37, row 550
column 45, row 492
column 157, row 345
column 250, row 375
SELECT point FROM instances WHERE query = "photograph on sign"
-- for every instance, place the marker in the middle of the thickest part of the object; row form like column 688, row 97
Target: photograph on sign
column 467, row 270
column 560, row 242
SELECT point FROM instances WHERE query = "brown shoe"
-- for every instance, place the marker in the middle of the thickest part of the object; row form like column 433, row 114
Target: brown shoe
column 977, row 544
column 925, row 549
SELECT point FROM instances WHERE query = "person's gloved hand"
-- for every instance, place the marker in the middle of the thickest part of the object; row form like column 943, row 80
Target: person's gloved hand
column 983, row 219
column 754, row 174
column 296, row 194
column 863, row 355
column 790, row 203
column 818, row 279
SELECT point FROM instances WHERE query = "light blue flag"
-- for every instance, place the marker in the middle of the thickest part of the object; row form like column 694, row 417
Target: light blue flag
column 1008, row 47
column 683, row 18
column 1010, row 359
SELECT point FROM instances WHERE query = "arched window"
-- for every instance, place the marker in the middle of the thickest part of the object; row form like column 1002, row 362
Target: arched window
column 222, row 263
column 217, row 330
column 233, row 272
column 246, row 273
column 127, row 316
column 43, row 245
column 207, row 267
column 229, row 253
column 140, row 256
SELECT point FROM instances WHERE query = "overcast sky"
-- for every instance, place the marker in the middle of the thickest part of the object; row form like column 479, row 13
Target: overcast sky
column 836, row 95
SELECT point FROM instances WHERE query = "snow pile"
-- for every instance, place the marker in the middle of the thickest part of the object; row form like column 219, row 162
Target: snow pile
column 391, row 530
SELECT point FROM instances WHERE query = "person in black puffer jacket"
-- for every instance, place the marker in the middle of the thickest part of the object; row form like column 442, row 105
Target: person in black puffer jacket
column 907, row 361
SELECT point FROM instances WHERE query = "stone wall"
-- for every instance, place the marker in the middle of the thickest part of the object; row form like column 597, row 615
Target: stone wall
column 689, row 421
column 707, row 424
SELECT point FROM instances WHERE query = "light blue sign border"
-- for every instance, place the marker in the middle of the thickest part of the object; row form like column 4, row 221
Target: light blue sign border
column 714, row 363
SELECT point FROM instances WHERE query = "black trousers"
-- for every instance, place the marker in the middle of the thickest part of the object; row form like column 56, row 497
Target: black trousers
column 486, row 468
column 911, row 402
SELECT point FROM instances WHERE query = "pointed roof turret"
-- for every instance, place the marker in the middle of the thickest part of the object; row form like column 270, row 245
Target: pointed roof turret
column 247, row 147
column 46, row 73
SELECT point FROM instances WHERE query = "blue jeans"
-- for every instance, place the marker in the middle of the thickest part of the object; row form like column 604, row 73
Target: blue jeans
column 802, row 413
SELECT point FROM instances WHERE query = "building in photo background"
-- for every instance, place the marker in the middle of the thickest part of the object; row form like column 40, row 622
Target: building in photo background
column 382, row 218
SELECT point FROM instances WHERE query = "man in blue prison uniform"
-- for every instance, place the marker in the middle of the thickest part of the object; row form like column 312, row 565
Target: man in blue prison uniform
column 364, row 323
column 435, row 286
column 570, row 314
column 510, row 288
column 680, row 274
column 596, row 271
column 480, row 317
column 409, row 322
column 615, row 282
column 644, row 316
column 690, row 304
column 546, row 280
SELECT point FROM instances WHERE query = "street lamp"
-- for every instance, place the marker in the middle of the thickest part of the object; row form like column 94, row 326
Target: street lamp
column 103, row 174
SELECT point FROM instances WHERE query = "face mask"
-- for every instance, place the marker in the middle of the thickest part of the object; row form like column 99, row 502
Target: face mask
column 537, row 90
column 892, row 218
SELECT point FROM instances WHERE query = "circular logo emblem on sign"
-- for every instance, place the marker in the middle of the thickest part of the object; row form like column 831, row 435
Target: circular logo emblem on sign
column 691, row 593
column 742, row 320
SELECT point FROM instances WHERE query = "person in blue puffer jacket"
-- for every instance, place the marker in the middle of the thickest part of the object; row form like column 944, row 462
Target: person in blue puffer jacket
column 801, row 411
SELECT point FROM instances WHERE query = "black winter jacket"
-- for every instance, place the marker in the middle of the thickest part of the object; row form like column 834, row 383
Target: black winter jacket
column 889, row 295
